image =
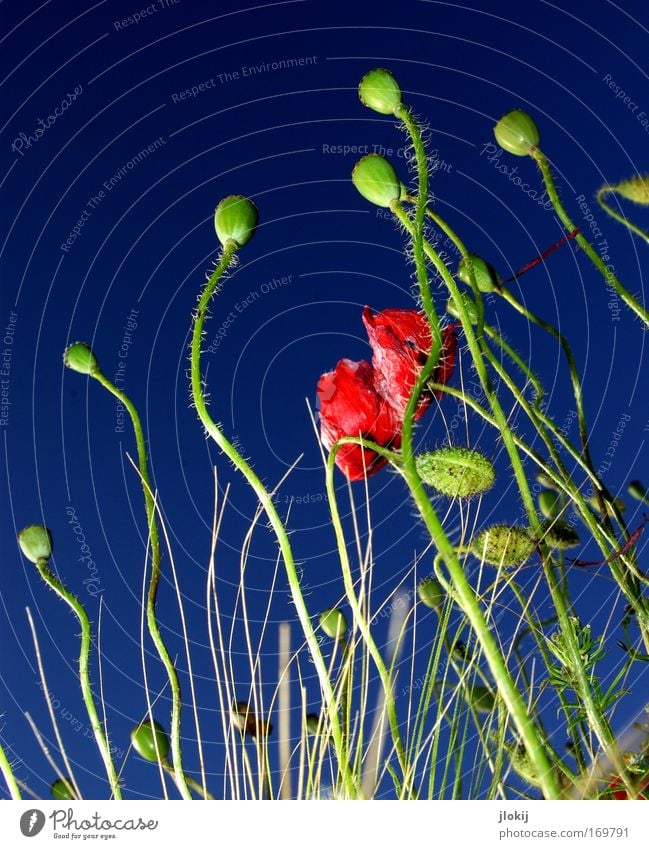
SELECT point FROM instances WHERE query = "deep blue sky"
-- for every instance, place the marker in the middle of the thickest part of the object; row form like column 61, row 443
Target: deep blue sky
column 144, row 245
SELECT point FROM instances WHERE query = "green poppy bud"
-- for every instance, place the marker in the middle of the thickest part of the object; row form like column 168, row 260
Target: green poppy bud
column 550, row 503
column 79, row 357
column 481, row 699
column 376, row 180
column 333, row 623
column 637, row 490
column 594, row 503
column 517, row 133
column 545, row 480
column 635, row 189
column 485, row 275
column 378, row 90
column 144, row 738
column 558, row 534
column 235, row 219
column 503, row 545
column 62, row 790
column 36, row 543
column 245, row 720
column 431, row 593
column 523, row 766
column 456, row 472
column 313, row 724
column 469, row 306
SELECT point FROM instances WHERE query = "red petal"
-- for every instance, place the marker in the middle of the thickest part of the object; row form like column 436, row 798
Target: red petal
column 350, row 406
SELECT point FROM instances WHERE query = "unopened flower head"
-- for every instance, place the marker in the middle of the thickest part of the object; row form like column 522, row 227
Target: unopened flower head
column 456, row 471
column 235, row 220
column 35, row 543
column 376, row 180
column 79, row 357
column 378, row 90
column 517, row 133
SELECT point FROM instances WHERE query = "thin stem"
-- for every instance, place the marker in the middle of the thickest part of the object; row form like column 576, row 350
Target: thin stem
column 266, row 501
column 8, row 775
column 195, row 785
column 601, row 194
column 156, row 557
column 592, row 254
column 84, row 675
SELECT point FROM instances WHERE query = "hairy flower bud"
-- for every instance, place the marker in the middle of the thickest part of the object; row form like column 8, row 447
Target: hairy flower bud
column 333, row 623
column 144, row 738
column 503, row 545
column 550, row 503
column 378, row 90
column 485, row 275
column 35, row 543
column 431, row 593
column 635, row 189
column 469, row 305
column 235, row 219
column 456, row 472
column 517, row 133
column 376, row 180
column 62, row 790
column 558, row 534
column 79, row 357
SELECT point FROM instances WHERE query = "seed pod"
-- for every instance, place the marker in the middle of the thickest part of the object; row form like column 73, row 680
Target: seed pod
column 431, row 593
column 333, row 623
column 378, row 90
column 235, row 219
column 313, row 726
column 144, row 737
column 517, row 133
column 558, row 534
column 637, row 490
column 62, row 790
column 245, row 720
column 79, row 357
column 481, row 699
column 485, row 275
column 36, row 543
column 503, row 545
column 550, row 503
column 635, row 189
column 469, row 306
column 456, row 472
column 376, row 180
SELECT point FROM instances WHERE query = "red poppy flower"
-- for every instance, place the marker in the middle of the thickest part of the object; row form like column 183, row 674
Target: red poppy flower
column 619, row 790
column 350, row 406
column 401, row 342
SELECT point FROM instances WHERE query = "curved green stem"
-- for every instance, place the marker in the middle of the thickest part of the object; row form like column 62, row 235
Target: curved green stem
column 601, row 194
column 583, row 243
column 7, row 772
column 195, row 785
column 267, row 504
column 156, row 557
column 84, row 674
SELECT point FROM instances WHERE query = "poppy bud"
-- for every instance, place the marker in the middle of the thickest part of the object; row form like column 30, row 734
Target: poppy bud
column 36, row 543
column 503, row 545
column 79, row 357
column 485, row 275
column 481, row 699
column 635, row 189
column 313, row 726
column 144, row 738
column 246, row 721
column 431, row 593
column 637, row 490
column 517, row 133
column 469, row 306
column 376, row 180
column 333, row 623
column 557, row 534
column 62, row 790
column 545, row 480
column 522, row 765
column 550, row 503
column 378, row 90
column 235, row 219
column 456, row 472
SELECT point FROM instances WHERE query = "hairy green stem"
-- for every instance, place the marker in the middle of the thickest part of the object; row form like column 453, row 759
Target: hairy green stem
column 601, row 194
column 84, row 673
column 156, row 557
column 8, row 775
